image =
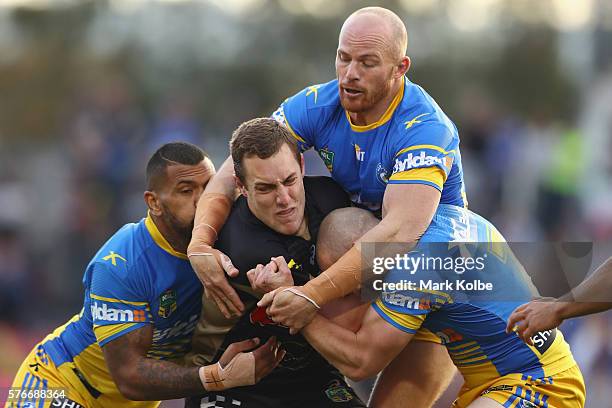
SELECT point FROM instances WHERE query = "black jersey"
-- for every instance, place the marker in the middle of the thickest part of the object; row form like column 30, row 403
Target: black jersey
column 248, row 242
column 303, row 378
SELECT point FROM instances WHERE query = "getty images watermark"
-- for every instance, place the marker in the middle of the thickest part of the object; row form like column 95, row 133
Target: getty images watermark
column 414, row 263
column 481, row 271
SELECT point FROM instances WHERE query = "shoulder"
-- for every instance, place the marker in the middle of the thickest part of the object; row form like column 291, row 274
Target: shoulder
column 312, row 100
column 420, row 118
column 316, row 96
column 120, row 259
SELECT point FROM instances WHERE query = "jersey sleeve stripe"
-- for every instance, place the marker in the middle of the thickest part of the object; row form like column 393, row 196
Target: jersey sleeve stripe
column 107, row 299
column 404, row 322
column 104, row 334
column 425, row 146
column 434, row 175
column 427, row 183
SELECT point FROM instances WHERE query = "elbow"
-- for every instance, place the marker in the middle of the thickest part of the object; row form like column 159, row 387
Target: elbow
column 358, row 373
column 130, row 392
column 410, row 233
column 127, row 388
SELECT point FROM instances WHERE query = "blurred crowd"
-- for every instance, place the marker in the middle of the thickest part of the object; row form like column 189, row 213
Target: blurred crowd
column 539, row 176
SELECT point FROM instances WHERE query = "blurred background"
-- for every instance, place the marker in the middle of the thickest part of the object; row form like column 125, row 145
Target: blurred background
column 89, row 89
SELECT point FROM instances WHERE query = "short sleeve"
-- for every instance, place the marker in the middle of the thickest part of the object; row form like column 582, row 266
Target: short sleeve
column 293, row 113
column 407, row 307
column 424, row 154
column 117, row 306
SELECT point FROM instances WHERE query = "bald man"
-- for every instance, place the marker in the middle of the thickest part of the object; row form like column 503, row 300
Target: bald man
column 498, row 368
column 386, row 142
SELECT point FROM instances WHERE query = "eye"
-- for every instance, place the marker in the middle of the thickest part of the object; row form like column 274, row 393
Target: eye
column 369, row 64
column 290, row 181
column 263, row 189
column 187, row 191
column 343, row 57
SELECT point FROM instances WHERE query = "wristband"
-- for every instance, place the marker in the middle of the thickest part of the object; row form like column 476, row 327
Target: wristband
column 213, row 210
column 297, row 292
column 240, row 371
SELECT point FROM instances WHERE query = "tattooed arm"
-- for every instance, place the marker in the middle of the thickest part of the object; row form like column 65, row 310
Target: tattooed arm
column 145, row 379
column 141, row 378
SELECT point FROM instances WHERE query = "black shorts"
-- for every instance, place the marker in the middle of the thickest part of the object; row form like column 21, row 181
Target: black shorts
column 330, row 392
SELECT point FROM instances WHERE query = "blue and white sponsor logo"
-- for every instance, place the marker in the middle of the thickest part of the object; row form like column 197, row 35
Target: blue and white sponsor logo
column 109, row 314
column 415, row 161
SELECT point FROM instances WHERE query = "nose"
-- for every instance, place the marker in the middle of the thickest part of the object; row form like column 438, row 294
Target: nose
column 196, row 196
column 351, row 72
column 282, row 197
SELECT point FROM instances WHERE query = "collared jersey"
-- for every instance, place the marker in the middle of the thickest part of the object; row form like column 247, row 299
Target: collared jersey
column 413, row 142
column 471, row 323
column 135, row 279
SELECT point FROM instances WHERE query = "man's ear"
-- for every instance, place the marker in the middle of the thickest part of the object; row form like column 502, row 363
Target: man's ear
column 403, row 67
column 240, row 186
column 152, row 201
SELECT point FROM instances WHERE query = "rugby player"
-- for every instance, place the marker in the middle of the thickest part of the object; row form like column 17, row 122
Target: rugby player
column 277, row 216
column 591, row 296
column 387, row 143
column 499, row 369
column 142, row 302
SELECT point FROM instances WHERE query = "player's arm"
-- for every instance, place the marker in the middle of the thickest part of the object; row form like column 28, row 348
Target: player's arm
column 407, row 208
column 209, row 264
column 145, row 379
column 591, row 296
column 357, row 355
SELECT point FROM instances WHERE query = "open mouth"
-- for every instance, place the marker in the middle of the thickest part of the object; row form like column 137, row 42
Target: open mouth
column 285, row 213
column 351, row 91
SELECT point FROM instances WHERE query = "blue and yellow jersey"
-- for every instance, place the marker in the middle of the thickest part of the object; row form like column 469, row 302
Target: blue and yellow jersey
column 135, row 279
column 470, row 317
column 413, row 142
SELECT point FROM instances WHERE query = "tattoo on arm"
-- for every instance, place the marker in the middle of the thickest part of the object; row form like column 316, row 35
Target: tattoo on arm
column 141, row 378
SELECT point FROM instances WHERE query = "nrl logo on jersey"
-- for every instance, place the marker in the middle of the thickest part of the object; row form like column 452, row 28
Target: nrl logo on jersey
column 167, row 303
column 328, row 158
column 337, row 392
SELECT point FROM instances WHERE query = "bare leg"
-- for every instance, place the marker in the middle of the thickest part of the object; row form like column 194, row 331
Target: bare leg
column 417, row 377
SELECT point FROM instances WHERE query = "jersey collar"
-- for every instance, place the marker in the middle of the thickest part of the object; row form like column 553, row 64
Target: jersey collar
column 384, row 118
column 160, row 240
